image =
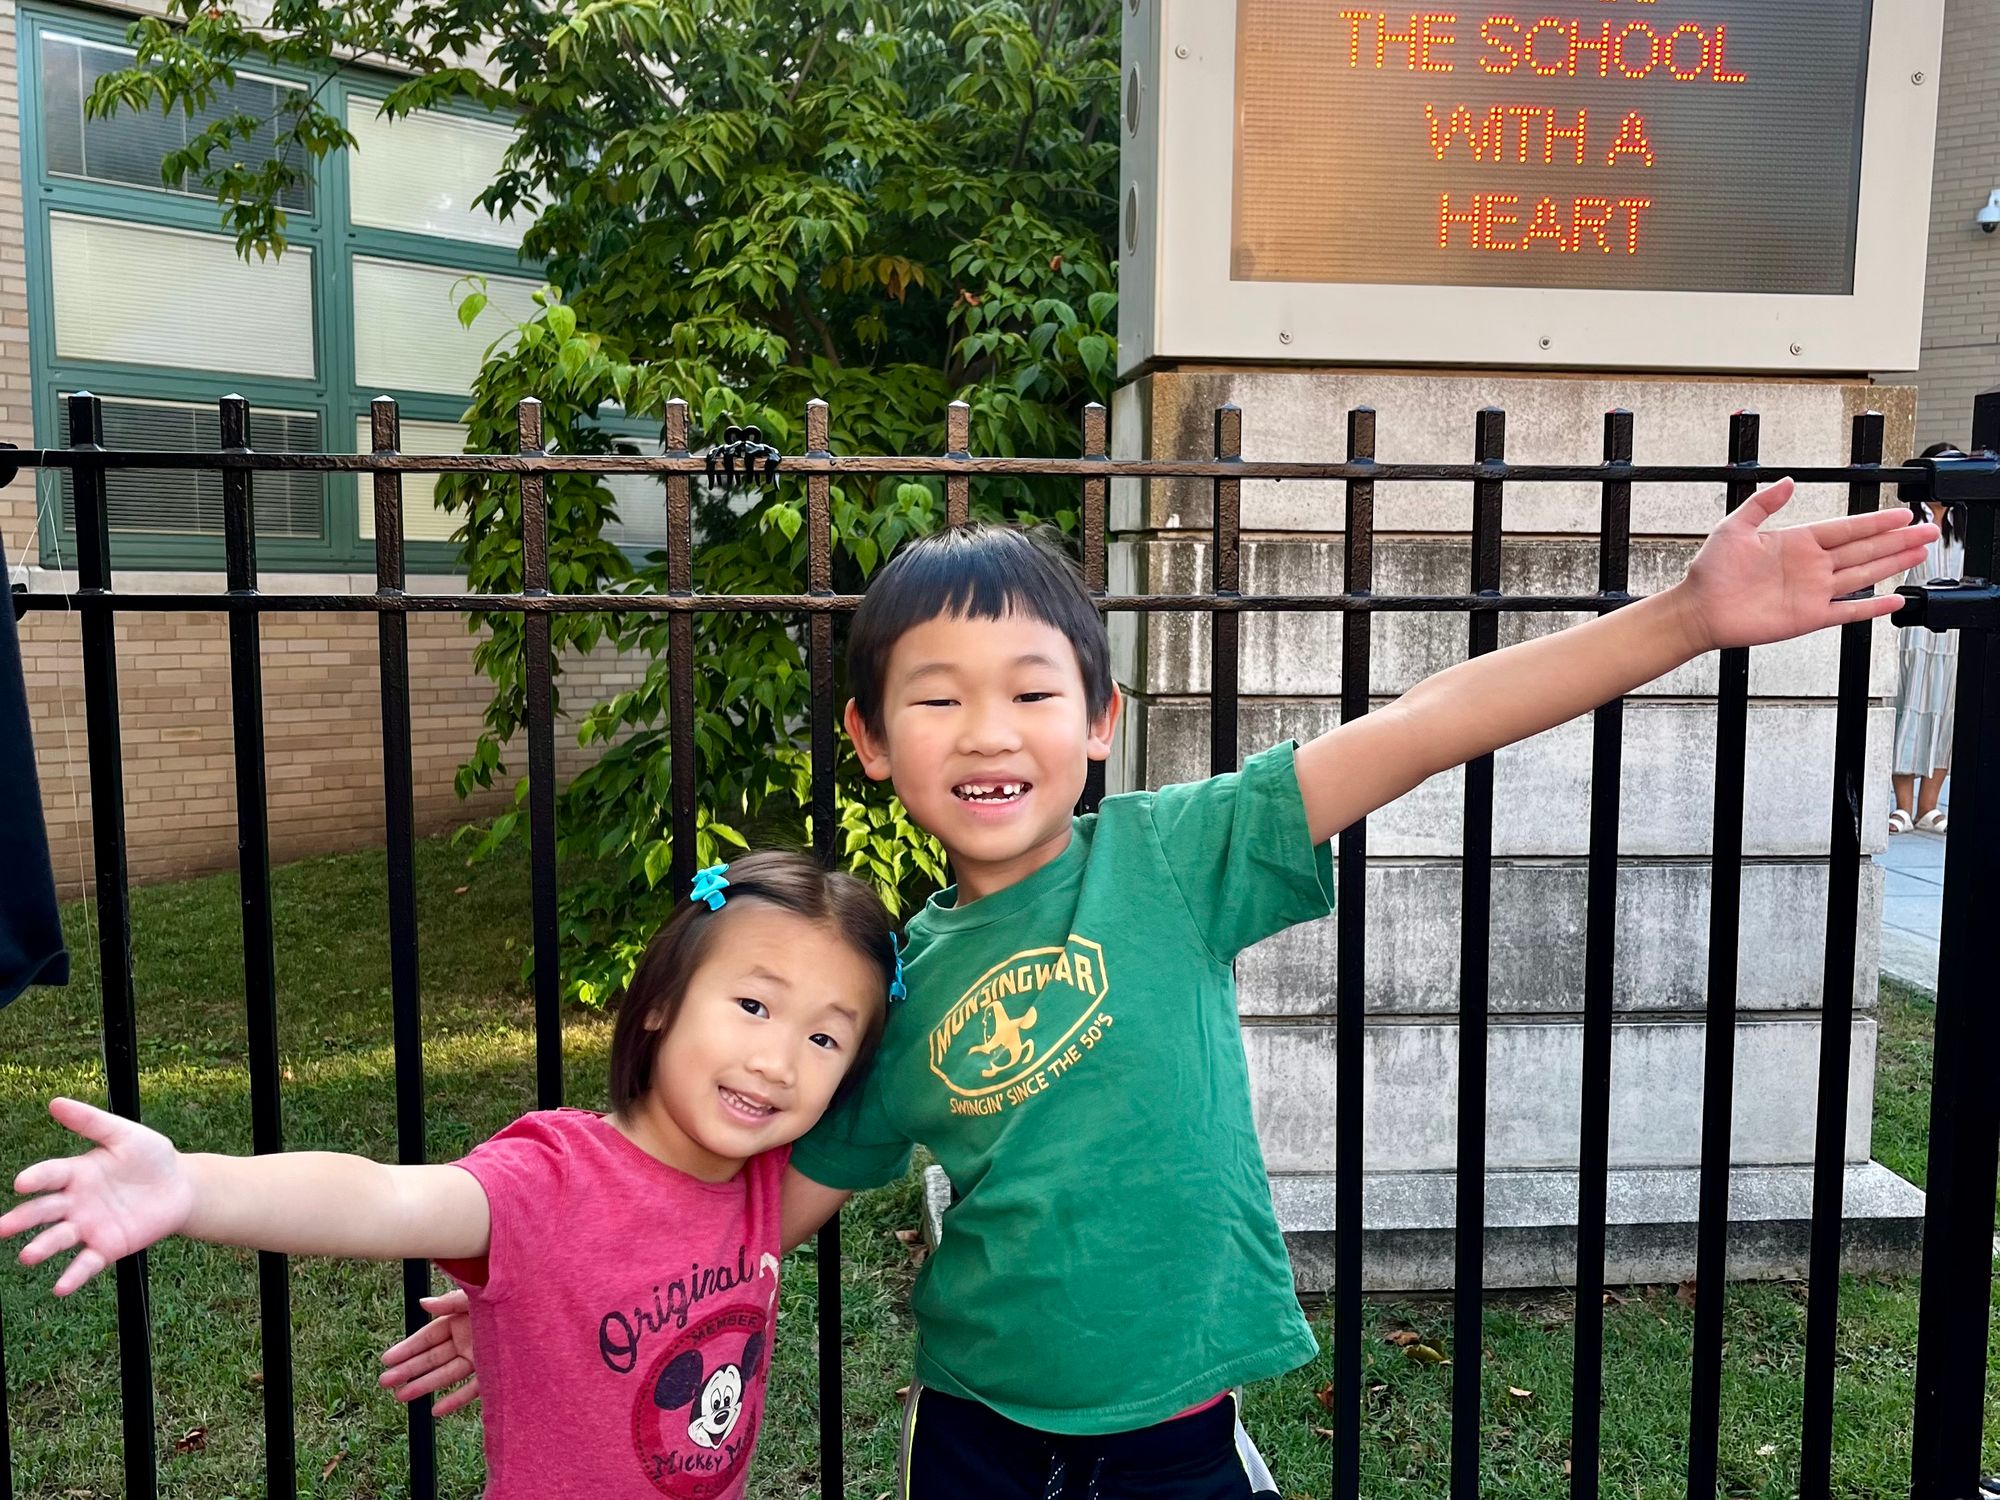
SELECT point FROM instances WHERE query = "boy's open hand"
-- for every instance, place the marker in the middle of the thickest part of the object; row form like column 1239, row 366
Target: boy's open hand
column 436, row 1356
column 114, row 1201
column 1749, row 587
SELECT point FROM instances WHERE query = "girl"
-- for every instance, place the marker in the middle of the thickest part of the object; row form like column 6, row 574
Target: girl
column 623, row 1268
column 1927, row 687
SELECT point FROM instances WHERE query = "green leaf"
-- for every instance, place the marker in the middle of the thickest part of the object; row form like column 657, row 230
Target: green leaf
column 659, row 856
column 1095, row 352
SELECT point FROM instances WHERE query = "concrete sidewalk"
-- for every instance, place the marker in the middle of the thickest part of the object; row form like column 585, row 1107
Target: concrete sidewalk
column 1913, row 904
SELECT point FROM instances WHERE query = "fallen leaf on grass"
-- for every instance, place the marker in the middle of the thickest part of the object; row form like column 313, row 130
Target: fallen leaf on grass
column 1424, row 1354
column 331, row 1464
column 192, row 1441
column 460, row 890
column 1519, row 1394
column 1684, row 1294
column 1324, row 1395
column 1767, row 1450
column 909, row 1236
column 1565, row 1468
column 1403, row 1338
column 903, row 1394
column 1325, row 1432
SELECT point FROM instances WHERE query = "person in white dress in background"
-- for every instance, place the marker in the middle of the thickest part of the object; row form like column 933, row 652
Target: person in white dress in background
column 1928, row 683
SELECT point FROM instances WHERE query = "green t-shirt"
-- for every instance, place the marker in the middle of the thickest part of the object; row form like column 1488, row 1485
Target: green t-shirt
column 1070, row 1052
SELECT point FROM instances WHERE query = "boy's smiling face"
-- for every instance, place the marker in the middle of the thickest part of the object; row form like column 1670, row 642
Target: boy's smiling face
column 987, row 735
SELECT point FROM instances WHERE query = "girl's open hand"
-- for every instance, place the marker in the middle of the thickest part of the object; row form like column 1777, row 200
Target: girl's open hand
column 131, row 1191
column 1749, row 586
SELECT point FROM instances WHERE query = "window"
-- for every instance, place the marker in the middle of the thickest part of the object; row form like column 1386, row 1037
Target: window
column 421, row 173
column 641, row 501
column 406, row 330
column 424, row 520
column 137, row 293
column 130, row 147
column 187, row 502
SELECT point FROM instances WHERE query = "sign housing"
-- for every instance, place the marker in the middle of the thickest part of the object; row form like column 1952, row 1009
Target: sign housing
column 1663, row 184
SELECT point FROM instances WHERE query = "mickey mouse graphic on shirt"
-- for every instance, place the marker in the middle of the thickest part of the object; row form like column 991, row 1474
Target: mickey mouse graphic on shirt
column 696, row 1414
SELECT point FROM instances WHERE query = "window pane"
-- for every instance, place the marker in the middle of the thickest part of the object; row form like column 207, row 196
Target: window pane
column 424, row 520
column 135, row 294
column 129, row 147
column 641, row 500
column 406, row 330
column 420, row 174
column 186, row 502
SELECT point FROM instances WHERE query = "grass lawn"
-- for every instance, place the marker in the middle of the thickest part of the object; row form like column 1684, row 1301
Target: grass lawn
column 61, row 1358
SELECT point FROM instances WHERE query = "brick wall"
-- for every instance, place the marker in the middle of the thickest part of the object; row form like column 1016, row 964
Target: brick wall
column 322, row 711
column 322, row 726
column 1961, row 343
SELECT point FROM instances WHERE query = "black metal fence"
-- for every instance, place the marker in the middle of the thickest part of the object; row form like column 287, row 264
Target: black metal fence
column 1965, row 1128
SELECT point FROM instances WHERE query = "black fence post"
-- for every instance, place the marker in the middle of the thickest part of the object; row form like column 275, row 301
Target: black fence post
column 1718, row 1085
column 1475, row 957
column 1843, row 901
column 399, row 825
column 114, row 912
column 1593, row 1169
column 958, row 444
column 826, row 828
column 260, row 978
column 1350, row 1037
column 1096, row 492
column 1225, row 560
column 1952, row 1317
column 539, row 669
column 682, row 769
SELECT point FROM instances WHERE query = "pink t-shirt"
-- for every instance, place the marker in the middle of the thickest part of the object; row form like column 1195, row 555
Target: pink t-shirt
column 622, row 1317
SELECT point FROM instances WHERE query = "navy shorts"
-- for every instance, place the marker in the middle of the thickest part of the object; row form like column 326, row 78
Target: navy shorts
column 955, row 1449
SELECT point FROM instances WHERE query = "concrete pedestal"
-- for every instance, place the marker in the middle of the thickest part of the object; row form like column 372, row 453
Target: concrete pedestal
column 1290, row 676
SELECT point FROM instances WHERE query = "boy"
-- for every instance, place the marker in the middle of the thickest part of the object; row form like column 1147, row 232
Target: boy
column 1069, row 1050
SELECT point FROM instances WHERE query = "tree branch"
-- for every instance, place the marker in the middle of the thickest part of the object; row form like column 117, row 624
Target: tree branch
column 825, row 333
column 812, row 56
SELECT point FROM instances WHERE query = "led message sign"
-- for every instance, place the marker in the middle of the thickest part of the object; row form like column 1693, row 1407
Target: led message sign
column 1663, row 145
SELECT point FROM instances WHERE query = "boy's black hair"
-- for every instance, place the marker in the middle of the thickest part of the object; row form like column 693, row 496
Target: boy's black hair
column 978, row 571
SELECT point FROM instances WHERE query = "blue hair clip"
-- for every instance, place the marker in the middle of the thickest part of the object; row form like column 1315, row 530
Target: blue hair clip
column 897, row 989
column 709, row 885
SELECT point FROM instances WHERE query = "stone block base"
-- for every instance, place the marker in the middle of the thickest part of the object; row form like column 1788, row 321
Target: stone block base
column 1408, row 1242
column 1408, row 1239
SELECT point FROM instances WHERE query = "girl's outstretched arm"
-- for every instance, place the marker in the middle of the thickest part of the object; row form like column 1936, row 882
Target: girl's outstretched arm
column 1746, row 587
column 135, row 1189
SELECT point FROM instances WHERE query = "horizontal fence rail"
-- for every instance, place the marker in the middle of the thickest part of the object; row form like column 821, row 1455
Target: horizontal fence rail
column 1966, row 1128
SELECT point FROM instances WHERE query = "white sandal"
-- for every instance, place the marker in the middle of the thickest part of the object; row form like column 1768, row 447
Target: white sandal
column 1934, row 821
column 1899, row 821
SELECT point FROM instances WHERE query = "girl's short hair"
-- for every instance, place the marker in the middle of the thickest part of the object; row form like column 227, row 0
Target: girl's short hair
column 796, row 883
column 977, row 571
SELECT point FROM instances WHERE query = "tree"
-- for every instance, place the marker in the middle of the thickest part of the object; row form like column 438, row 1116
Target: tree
column 741, row 204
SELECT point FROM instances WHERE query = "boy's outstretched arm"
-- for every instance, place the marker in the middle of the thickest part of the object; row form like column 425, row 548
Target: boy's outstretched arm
column 135, row 1189
column 804, row 1206
column 1746, row 587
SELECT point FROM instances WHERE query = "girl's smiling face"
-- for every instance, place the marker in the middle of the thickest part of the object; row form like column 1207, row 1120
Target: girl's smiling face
column 769, row 1025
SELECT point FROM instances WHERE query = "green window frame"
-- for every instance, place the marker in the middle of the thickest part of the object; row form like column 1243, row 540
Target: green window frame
column 331, row 392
